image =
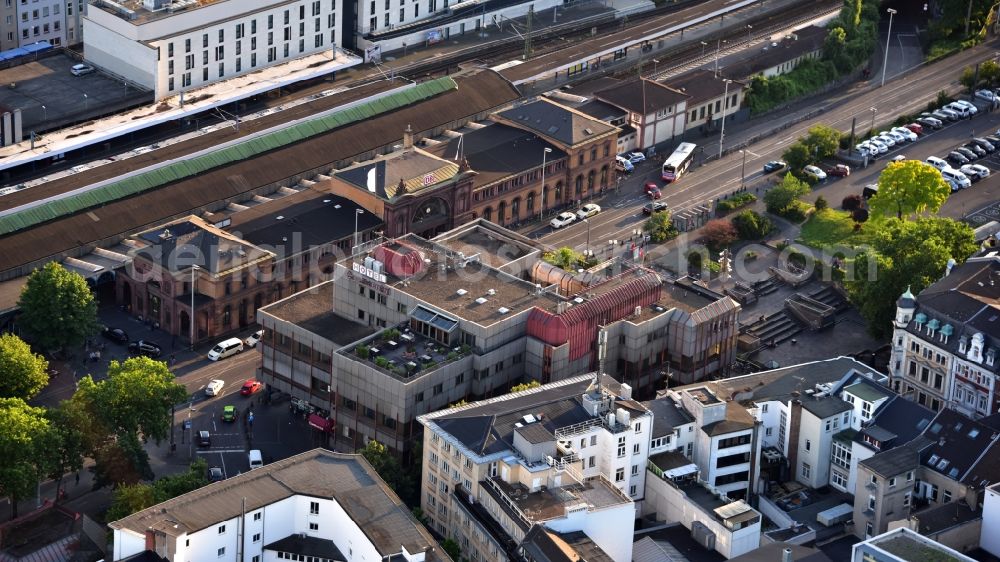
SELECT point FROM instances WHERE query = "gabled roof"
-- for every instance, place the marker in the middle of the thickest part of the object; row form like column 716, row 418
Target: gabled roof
column 642, row 96
column 544, row 545
column 701, row 85
column 177, row 245
column 825, row 406
column 666, row 416
column 557, row 122
column 899, row 460
column 348, row 479
column 900, row 417
column 868, row 391
column 944, row 516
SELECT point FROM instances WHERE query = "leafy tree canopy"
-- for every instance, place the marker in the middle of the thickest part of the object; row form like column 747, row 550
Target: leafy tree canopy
column 525, row 386
column 909, row 188
column 781, row 196
column 660, row 227
column 23, row 374
column 23, row 436
column 58, row 310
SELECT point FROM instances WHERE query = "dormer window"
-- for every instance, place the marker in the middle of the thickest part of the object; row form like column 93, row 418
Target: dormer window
column 932, row 326
column 946, row 331
column 962, row 344
column 919, row 320
column 991, row 356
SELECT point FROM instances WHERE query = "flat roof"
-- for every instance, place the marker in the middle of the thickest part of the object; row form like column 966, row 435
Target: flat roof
column 310, row 218
column 553, row 503
column 312, row 310
column 485, row 290
column 495, row 245
column 912, row 550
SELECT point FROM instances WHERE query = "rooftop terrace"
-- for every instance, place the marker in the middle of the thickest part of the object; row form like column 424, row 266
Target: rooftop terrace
column 135, row 12
column 404, row 353
column 912, row 550
column 552, row 503
column 494, row 248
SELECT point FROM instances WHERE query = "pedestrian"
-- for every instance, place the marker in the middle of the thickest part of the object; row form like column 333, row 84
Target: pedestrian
column 173, row 359
column 77, row 477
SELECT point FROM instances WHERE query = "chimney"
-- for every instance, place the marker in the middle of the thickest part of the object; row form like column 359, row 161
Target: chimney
column 408, row 138
column 786, row 554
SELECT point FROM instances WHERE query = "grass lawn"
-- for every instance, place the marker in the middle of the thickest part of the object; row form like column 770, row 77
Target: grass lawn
column 830, row 228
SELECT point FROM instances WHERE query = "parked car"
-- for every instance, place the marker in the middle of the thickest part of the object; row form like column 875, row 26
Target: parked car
column 929, row 120
column 774, row 166
column 945, row 115
column 956, row 158
column 993, row 139
column 814, row 172
column 907, row 134
column 898, row 158
column 115, row 334
column 215, row 474
column 623, row 165
column 654, row 207
column 963, row 108
column 974, row 148
column 938, row 163
column 866, row 149
column 898, row 138
column 885, row 139
column 970, row 172
column 635, row 157
column 147, row 348
column 229, row 414
column 562, row 219
column 588, row 210
column 214, row 387
column 253, row 339
column 986, row 95
column 204, row 439
column 969, row 153
column 839, row 171
column 975, row 172
column 985, row 144
column 916, row 128
column 251, row 386
column 80, row 69
column 652, row 190
column 879, row 145
column 869, row 191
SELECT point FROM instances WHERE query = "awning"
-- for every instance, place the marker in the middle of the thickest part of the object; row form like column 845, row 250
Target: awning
column 681, row 471
column 320, row 423
column 439, row 321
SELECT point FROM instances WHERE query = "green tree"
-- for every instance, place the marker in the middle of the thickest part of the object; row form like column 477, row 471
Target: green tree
column 58, row 310
column 128, row 499
column 452, row 549
column 821, row 204
column 525, row 386
column 798, row 156
column 660, row 227
column 835, row 49
column 177, row 484
column 565, row 257
column 908, row 188
column 822, row 141
column 67, row 441
column 903, row 254
column 389, row 468
column 781, row 196
column 968, row 78
column 751, row 225
column 24, row 434
column 23, row 374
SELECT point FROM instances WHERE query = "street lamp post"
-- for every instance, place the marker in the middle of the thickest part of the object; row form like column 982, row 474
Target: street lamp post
column 541, row 202
column 718, row 47
column 86, row 102
column 194, row 268
column 749, row 34
column 874, row 110
column 722, row 130
column 357, row 213
column 885, row 60
column 45, row 113
column 703, row 45
column 587, row 251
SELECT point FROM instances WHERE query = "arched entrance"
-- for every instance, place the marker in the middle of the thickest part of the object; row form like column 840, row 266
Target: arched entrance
column 244, row 305
column 127, row 296
column 502, row 213
column 185, row 324
column 430, row 217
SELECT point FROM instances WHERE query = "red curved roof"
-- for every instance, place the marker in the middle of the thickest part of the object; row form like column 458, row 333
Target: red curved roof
column 399, row 259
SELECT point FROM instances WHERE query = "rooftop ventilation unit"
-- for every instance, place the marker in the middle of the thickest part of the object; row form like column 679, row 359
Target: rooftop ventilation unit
column 481, row 300
column 503, row 310
column 461, row 292
column 491, row 292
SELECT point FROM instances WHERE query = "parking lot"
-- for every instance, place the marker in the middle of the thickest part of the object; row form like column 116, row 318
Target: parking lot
column 49, row 96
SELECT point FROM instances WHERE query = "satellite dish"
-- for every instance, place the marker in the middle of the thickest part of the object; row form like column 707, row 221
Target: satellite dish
column 371, row 180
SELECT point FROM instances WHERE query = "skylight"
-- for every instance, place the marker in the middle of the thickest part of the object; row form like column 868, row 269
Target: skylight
column 973, row 433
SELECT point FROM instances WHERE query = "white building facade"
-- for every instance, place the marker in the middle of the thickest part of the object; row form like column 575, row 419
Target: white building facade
column 41, row 20
column 171, row 50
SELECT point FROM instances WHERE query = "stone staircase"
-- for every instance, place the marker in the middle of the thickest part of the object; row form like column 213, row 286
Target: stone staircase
column 830, row 297
column 777, row 328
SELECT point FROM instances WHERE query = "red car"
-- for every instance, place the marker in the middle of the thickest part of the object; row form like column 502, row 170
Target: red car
column 652, row 190
column 250, row 387
column 916, row 128
column 839, row 171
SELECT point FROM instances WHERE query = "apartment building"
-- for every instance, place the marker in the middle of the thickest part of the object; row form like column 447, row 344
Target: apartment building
column 989, row 539
column 569, row 455
column 945, row 340
column 710, row 99
column 655, row 111
column 953, row 459
column 408, row 326
column 41, row 20
column 676, row 493
column 380, row 26
column 237, row 263
column 173, row 46
column 317, row 505
column 9, row 37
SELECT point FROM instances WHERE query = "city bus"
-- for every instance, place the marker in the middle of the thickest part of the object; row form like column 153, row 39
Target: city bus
column 678, row 162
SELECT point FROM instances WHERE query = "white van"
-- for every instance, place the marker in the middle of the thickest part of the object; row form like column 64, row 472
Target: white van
column 956, row 177
column 256, row 460
column 961, row 110
column 226, row 348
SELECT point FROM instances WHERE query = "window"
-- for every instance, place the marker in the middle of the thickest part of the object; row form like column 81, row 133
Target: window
column 638, row 428
column 906, row 499
column 871, row 502
column 808, row 445
column 909, row 476
column 256, row 537
column 221, row 552
column 621, row 447
column 631, row 490
column 256, row 516
column 947, row 496
column 256, row 558
column 635, row 469
column 806, row 470
column 314, row 508
column 314, row 526
column 635, row 449
column 620, row 475
column 892, row 482
column 222, row 529
column 838, row 479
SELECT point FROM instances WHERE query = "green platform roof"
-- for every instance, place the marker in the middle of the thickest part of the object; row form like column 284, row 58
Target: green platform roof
column 179, row 170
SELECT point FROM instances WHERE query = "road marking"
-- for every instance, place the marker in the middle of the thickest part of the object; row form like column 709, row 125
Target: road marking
column 221, row 450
